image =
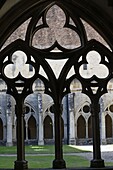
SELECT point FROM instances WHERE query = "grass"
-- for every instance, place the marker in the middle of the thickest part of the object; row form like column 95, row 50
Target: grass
column 43, row 161
column 46, row 149
column 46, row 161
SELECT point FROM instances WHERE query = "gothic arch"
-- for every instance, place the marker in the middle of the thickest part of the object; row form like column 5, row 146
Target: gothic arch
column 48, row 128
column 81, row 127
column 108, row 124
column 32, row 128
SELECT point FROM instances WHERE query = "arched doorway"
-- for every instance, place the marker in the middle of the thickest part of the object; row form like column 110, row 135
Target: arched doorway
column 81, row 127
column 108, row 125
column 48, row 128
column 32, row 132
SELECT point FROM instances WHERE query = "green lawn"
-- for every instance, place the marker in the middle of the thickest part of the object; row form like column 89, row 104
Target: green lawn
column 46, row 161
column 43, row 161
column 48, row 149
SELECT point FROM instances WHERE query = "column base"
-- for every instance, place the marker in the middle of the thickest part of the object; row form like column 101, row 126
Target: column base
column 59, row 164
column 72, row 141
column 103, row 142
column 23, row 165
column 9, row 144
column 97, row 163
column 41, row 142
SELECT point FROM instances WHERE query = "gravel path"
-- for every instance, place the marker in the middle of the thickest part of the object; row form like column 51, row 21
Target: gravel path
column 106, row 156
column 106, row 152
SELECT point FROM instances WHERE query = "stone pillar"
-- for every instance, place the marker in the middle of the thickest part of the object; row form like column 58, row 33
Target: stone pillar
column 26, row 132
column 20, row 163
column 96, row 162
column 14, row 132
column 59, row 162
column 103, row 132
column 72, row 129
column 87, row 129
column 71, row 118
column 40, row 110
column 9, row 122
column 9, row 129
column 65, row 118
column 102, row 122
column 41, row 138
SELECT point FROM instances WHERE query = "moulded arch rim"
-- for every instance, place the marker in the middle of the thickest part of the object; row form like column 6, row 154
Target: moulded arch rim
column 109, row 116
column 33, row 117
column 81, row 116
column 81, row 107
column 107, row 106
column 29, row 105
column 48, row 115
column 3, row 120
column 22, row 10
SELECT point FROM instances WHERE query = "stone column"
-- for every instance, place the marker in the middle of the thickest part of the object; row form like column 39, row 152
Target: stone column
column 71, row 118
column 102, row 122
column 103, row 132
column 72, row 129
column 59, row 162
column 40, row 110
column 41, row 138
column 65, row 118
column 20, row 163
column 9, row 122
column 96, row 162
column 87, row 129
column 9, row 128
column 26, row 131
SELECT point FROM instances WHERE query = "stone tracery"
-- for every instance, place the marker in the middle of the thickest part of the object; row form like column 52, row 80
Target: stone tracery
column 57, row 88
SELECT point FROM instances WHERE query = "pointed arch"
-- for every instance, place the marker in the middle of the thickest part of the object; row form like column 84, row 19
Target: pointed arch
column 108, row 124
column 81, row 127
column 48, row 128
column 32, row 128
